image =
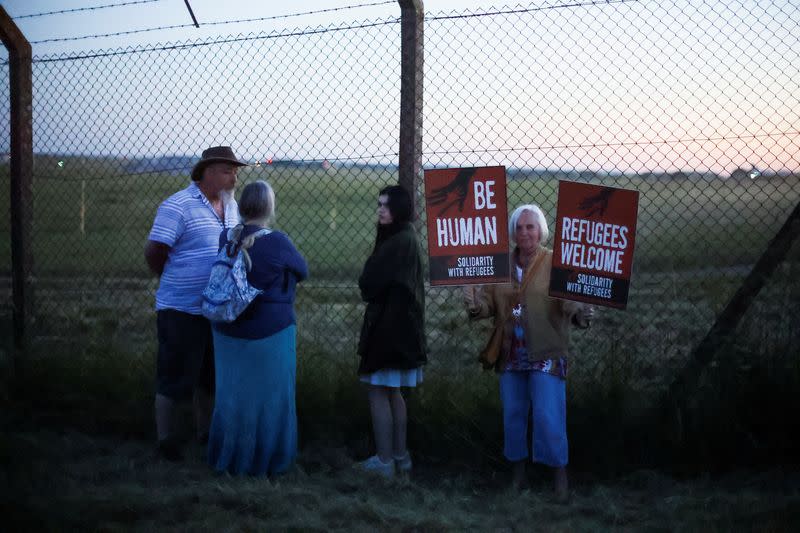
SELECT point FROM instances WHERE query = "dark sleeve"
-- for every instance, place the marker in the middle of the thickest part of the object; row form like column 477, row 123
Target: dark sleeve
column 393, row 263
column 277, row 253
column 291, row 258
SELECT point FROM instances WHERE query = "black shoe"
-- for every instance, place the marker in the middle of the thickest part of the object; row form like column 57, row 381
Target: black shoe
column 170, row 450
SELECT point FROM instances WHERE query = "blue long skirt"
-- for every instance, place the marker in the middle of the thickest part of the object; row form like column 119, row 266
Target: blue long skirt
column 254, row 426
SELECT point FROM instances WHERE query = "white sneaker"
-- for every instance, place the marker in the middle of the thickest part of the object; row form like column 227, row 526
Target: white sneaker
column 374, row 464
column 403, row 463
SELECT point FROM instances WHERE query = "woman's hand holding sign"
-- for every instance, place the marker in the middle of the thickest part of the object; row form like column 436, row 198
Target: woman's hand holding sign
column 584, row 316
column 472, row 297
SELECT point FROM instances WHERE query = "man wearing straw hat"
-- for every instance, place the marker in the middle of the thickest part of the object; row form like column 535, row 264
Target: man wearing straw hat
column 181, row 248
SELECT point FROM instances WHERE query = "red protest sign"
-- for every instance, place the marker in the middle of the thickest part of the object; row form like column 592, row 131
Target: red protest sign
column 594, row 240
column 467, row 214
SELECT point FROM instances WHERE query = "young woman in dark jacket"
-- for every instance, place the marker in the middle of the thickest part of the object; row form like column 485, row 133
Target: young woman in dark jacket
column 392, row 344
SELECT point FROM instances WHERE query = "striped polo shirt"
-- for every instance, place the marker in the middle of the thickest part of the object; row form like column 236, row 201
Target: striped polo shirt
column 187, row 223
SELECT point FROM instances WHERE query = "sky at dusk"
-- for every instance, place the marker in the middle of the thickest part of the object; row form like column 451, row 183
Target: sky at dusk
column 163, row 13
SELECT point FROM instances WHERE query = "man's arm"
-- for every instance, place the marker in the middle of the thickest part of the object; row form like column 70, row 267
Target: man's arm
column 156, row 253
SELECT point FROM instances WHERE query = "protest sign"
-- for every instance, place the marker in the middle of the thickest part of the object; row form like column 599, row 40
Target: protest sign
column 467, row 215
column 593, row 246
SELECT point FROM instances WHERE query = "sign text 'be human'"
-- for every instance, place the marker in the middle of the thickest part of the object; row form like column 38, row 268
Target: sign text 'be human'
column 467, row 225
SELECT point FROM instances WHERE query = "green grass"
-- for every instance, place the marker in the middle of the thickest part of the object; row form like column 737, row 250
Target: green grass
column 89, row 374
column 696, row 241
column 68, row 481
column 107, row 387
column 76, row 432
column 76, row 453
column 105, row 484
column 330, row 215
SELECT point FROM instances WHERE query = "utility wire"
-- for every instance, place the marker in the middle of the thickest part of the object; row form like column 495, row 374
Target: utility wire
column 191, row 13
column 212, row 23
column 530, row 9
column 133, row 2
column 259, row 164
column 616, row 144
column 186, row 168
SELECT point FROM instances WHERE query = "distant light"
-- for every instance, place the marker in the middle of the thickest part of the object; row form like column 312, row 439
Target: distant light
column 60, row 164
column 269, row 161
column 754, row 174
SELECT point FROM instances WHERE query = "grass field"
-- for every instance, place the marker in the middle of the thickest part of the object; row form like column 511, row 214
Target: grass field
column 76, row 454
column 696, row 240
column 683, row 224
column 76, row 421
column 71, row 481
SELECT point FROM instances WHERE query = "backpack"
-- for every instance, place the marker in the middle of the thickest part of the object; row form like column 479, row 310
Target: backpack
column 228, row 292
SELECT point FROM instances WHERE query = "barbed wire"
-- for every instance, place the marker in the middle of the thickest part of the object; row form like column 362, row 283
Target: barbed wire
column 115, row 34
column 317, row 12
column 223, row 40
column 212, row 23
column 289, row 34
column 91, row 8
column 328, row 10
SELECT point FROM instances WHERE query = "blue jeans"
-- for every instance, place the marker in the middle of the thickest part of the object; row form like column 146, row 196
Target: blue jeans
column 548, row 396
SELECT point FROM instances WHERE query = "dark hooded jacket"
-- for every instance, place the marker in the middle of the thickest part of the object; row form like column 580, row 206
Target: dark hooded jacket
column 392, row 285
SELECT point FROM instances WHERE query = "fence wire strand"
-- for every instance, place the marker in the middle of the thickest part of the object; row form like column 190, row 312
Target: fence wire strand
column 210, row 23
column 89, row 8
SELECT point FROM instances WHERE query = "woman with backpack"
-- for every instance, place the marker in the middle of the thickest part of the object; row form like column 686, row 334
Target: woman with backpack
column 254, row 425
column 392, row 344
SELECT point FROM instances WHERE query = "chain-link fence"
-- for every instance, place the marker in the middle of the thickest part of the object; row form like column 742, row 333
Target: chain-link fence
column 694, row 104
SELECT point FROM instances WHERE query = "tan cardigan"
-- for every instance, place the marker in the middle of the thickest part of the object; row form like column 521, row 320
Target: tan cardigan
column 547, row 319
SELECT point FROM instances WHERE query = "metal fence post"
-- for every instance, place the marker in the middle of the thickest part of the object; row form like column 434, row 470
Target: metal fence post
column 21, row 194
column 411, row 76
column 729, row 319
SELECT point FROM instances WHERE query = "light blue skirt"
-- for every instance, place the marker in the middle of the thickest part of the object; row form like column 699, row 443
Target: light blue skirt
column 394, row 378
column 254, row 426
